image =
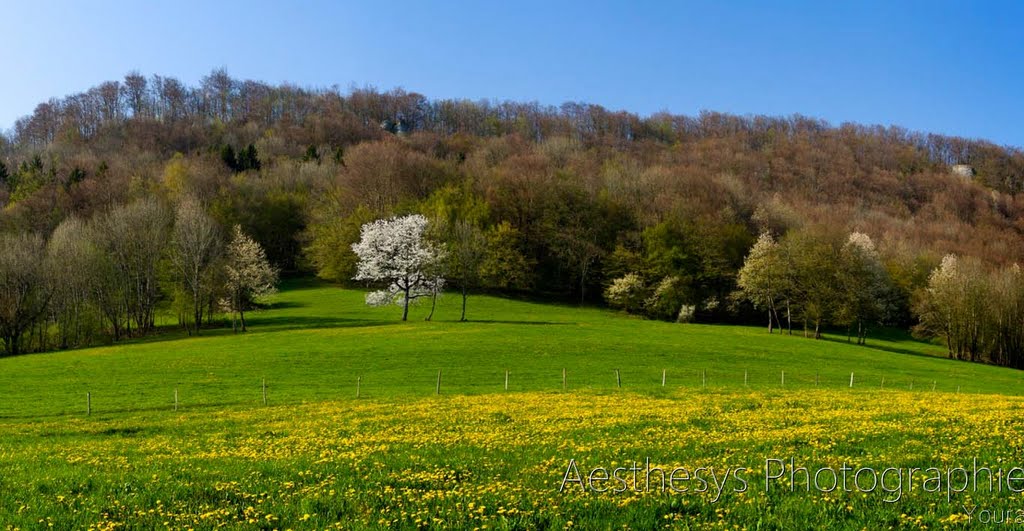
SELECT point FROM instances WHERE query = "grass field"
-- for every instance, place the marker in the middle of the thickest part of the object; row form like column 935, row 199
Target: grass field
column 317, row 340
column 479, row 456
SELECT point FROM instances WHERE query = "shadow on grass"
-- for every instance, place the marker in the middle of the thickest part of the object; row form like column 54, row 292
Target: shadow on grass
column 511, row 322
column 884, row 348
column 101, row 414
column 283, row 305
column 255, row 324
column 277, row 324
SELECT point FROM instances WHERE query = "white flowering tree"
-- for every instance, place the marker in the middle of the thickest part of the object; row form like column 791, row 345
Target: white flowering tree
column 248, row 274
column 395, row 251
column 764, row 278
column 862, row 286
column 627, row 292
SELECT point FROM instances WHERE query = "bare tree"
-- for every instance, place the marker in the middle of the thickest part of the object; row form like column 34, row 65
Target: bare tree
column 466, row 250
column 24, row 291
column 196, row 248
column 136, row 237
column 75, row 269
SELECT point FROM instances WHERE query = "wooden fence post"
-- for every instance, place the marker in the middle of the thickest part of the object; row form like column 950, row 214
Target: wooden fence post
column 663, row 371
column 264, row 391
column 437, row 391
column 618, row 380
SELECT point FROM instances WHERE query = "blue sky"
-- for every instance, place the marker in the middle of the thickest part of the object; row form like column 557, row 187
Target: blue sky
column 948, row 67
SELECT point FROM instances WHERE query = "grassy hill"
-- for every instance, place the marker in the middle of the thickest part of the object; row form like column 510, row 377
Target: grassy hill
column 478, row 456
column 316, row 340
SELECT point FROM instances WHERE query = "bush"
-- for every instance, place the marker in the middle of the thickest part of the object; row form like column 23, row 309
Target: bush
column 667, row 300
column 627, row 293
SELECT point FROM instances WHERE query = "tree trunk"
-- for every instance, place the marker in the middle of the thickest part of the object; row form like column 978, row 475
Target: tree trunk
column 198, row 314
column 817, row 328
column 12, row 342
column 241, row 317
column 405, row 306
column 583, row 282
column 433, row 305
column 769, row 321
column 465, row 295
column 789, row 318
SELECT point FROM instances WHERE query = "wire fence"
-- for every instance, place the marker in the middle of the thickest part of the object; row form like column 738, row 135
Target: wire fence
column 383, row 385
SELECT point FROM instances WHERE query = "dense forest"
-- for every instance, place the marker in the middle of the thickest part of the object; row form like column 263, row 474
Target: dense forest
column 656, row 215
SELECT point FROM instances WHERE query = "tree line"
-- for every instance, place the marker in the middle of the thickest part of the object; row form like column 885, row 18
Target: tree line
column 661, row 215
column 162, row 113
column 100, row 279
column 977, row 311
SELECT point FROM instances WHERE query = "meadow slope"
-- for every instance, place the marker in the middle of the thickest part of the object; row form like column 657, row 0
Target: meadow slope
column 477, row 456
column 317, row 340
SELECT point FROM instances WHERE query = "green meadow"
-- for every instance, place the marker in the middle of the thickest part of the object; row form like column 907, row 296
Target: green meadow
column 315, row 341
column 479, row 456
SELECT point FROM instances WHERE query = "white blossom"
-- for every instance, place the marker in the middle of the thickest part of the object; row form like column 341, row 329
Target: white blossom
column 396, row 251
column 626, row 292
column 862, row 242
column 249, row 274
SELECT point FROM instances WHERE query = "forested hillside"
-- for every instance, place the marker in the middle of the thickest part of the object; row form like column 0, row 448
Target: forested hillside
column 565, row 200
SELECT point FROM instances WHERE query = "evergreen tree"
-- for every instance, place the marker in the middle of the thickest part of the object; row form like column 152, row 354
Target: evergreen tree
column 227, row 154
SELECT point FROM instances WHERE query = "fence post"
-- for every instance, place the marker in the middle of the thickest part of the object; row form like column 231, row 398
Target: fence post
column 437, row 391
column 88, row 403
column 815, row 378
column 883, row 383
column 264, row 391
column 933, row 385
column 663, row 371
column 175, row 398
column 359, row 382
column 506, row 379
column 744, row 377
column 618, row 379
column 851, row 380
column 783, row 378
column 703, row 378
column 563, row 378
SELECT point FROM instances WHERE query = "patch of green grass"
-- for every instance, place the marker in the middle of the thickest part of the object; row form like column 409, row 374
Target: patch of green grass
column 315, row 340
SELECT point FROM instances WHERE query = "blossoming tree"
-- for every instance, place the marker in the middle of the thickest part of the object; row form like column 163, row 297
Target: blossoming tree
column 249, row 274
column 396, row 251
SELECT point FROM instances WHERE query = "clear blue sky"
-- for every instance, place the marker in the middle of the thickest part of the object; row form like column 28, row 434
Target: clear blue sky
column 947, row 67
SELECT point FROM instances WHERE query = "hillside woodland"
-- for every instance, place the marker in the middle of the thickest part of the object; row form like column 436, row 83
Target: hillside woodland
column 128, row 197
